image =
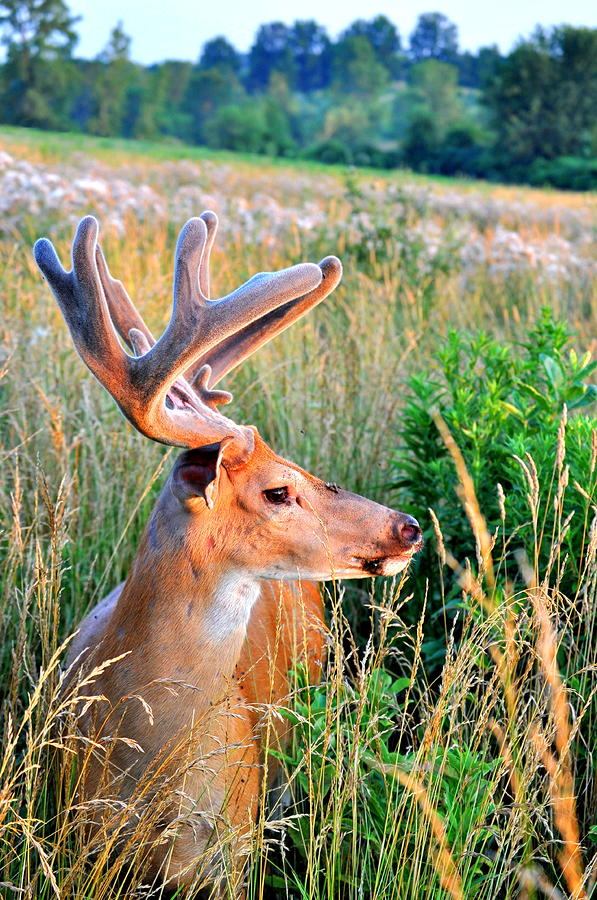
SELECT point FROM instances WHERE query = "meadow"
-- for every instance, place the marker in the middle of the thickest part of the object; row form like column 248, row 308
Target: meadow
column 449, row 751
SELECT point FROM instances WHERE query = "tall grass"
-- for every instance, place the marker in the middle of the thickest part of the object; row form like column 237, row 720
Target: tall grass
column 398, row 783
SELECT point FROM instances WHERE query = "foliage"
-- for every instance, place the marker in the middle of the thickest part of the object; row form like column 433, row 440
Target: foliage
column 330, row 151
column 432, row 108
column 355, row 68
column 271, row 52
column 384, row 39
column 565, row 172
column 434, row 37
column 208, row 94
column 253, row 128
column 236, row 128
column 541, row 97
column 219, row 53
column 422, row 141
column 434, row 88
column 312, row 50
column 350, row 734
column 355, row 151
column 112, row 85
column 504, row 407
column 39, row 40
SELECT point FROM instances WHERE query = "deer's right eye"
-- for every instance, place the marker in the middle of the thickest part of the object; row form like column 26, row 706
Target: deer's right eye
column 276, row 495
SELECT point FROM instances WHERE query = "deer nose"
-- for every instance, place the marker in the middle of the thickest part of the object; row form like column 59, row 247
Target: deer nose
column 407, row 530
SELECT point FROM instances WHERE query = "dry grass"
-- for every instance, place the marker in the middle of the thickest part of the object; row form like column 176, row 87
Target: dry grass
column 489, row 787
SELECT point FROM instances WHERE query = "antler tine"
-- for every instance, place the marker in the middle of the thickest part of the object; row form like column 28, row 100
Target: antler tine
column 81, row 299
column 135, row 333
column 149, row 387
column 123, row 312
column 211, row 223
column 232, row 351
column 139, row 390
column 198, row 324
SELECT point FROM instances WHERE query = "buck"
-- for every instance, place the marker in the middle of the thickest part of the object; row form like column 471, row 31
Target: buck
column 221, row 601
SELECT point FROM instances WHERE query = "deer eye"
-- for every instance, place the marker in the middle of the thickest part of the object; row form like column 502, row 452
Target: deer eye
column 276, row 495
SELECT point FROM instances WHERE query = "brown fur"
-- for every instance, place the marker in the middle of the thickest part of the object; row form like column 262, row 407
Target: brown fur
column 180, row 621
column 196, row 646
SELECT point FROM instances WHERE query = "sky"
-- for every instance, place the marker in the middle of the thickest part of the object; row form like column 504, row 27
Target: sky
column 177, row 29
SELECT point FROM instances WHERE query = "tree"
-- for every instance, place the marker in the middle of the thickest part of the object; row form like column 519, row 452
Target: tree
column 474, row 69
column 312, row 51
column 348, row 123
column 383, row 37
column 462, row 151
column 220, row 54
column 433, row 109
column 169, row 85
column 39, row 36
column 434, row 88
column 422, row 141
column 141, row 108
column 118, row 48
column 277, row 123
column 272, row 51
column 356, row 70
column 488, row 59
column 542, row 98
column 208, row 91
column 434, row 37
column 112, row 76
column 240, row 128
column 468, row 75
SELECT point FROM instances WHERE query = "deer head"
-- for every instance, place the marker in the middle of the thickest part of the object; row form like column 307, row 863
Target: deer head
column 237, row 502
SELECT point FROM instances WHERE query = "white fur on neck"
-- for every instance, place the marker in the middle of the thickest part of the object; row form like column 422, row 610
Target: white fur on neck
column 231, row 606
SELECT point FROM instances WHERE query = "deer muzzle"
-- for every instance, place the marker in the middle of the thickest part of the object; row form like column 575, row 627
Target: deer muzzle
column 402, row 540
column 407, row 531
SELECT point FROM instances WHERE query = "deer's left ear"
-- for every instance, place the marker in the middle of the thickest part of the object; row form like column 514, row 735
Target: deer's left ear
column 196, row 473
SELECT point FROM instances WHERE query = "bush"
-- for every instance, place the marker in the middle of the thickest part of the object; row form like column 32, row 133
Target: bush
column 501, row 402
column 238, row 128
column 460, row 153
column 337, row 152
column 331, row 151
column 566, row 172
column 421, row 141
column 366, row 154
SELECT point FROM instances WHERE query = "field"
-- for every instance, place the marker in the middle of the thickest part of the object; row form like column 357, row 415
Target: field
column 450, row 751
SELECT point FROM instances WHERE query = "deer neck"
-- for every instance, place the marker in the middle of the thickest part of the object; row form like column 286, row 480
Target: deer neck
column 185, row 608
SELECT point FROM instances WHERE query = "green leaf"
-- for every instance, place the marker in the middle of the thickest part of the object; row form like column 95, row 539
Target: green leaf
column 552, row 369
column 513, row 410
column 399, row 685
column 586, row 366
column 537, row 396
column 589, row 396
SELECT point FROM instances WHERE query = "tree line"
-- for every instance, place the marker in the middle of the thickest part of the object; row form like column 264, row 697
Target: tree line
column 366, row 98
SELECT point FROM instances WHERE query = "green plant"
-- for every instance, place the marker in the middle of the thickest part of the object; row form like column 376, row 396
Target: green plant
column 503, row 404
column 566, row 172
column 350, row 788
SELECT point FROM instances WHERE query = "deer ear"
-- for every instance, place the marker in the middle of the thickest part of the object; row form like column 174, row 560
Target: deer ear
column 196, row 473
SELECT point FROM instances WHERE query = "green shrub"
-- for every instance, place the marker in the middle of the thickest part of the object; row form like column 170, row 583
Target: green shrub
column 566, row 172
column 239, row 128
column 501, row 401
column 331, row 151
column 461, row 153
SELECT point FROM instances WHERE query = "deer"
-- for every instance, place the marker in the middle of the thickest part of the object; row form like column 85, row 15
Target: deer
column 222, row 600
